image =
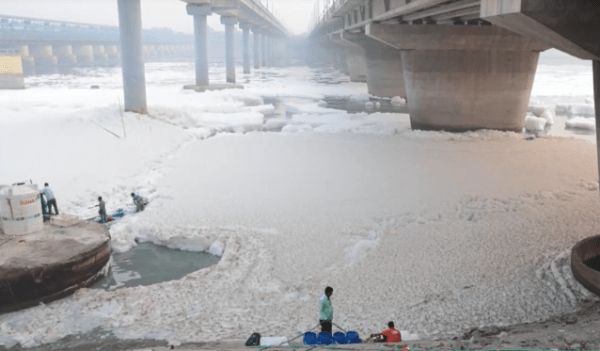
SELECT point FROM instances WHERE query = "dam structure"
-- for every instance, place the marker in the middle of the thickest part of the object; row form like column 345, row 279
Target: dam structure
column 461, row 64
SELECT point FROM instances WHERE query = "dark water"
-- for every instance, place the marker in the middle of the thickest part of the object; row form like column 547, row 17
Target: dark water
column 149, row 264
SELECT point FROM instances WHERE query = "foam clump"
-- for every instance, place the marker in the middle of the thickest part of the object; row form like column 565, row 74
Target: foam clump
column 581, row 123
column 369, row 105
column 581, row 110
column 541, row 110
column 398, row 101
column 533, row 123
column 217, row 248
column 322, row 103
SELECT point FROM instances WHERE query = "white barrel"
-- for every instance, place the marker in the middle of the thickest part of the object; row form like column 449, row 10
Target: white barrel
column 21, row 210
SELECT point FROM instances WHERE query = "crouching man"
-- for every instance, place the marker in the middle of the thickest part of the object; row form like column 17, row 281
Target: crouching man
column 389, row 335
column 140, row 202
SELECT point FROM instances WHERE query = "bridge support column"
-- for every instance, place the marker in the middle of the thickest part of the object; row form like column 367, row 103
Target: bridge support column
column 45, row 61
column 65, row 58
column 27, row 61
column 113, row 55
column 270, row 51
column 100, row 55
column 229, row 23
column 246, row 40
column 132, row 60
column 256, row 39
column 385, row 76
column 200, row 41
column 263, row 46
column 461, row 78
column 355, row 59
column 85, row 55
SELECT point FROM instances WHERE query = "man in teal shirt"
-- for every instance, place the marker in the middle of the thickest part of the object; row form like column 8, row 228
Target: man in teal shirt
column 325, row 310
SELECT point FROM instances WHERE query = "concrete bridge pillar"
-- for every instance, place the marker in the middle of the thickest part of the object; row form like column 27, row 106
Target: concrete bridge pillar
column 132, row 60
column 256, row 39
column 385, row 77
column 355, row 59
column 85, row 55
column 341, row 61
column 200, row 41
column 65, row 58
column 113, row 55
column 27, row 61
column 100, row 55
column 45, row 61
column 263, row 46
column 269, row 52
column 246, row 40
column 461, row 78
column 229, row 22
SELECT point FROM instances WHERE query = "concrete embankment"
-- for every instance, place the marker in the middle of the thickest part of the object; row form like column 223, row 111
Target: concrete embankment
column 50, row 264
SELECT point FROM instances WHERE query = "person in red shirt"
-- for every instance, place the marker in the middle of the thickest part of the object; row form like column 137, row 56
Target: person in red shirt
column 389, row 335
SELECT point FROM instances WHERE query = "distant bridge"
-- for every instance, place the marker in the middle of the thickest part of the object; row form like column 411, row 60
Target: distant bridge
column 35, row 30
column 49, row 46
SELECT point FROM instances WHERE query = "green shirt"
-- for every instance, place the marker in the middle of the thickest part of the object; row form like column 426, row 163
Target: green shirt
column 325, row 309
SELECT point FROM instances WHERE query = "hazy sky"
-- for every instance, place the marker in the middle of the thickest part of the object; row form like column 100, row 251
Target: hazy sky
column 295, row 14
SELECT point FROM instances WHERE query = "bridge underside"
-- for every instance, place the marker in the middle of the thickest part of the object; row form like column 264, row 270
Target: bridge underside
column 461, row 64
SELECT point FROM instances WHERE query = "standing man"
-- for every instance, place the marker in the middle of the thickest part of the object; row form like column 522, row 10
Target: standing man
column 325, row 310
column 51, row 200
column 102, row 211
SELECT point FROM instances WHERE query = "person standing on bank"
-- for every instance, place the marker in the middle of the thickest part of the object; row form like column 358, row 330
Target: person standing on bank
column 325, row 310
column 102, row 210
column 51, row 199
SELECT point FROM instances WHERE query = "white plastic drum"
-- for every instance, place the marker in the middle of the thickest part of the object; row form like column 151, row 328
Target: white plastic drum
column 21, row 210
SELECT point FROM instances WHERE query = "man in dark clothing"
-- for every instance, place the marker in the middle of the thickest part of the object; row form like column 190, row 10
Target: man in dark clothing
column 325, row 310
column 51, row 199
column 102, row 211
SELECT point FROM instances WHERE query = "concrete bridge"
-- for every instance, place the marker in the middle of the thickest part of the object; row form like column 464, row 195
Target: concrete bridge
column 461, row 64
column 251, row 15
column 43, row 45
column 47, row 46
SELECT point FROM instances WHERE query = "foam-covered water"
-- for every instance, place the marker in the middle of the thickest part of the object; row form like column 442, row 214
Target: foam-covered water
column 436, row 231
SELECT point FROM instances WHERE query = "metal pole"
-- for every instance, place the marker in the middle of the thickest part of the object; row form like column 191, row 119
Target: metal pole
column 132, row 60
